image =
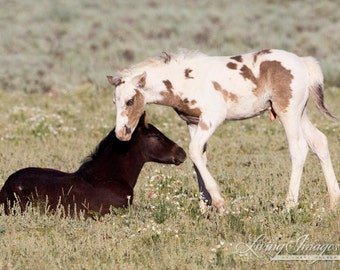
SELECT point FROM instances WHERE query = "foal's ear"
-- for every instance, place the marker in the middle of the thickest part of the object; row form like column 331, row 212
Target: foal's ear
column 144, row 120
column 140, row 80
column 115, row 80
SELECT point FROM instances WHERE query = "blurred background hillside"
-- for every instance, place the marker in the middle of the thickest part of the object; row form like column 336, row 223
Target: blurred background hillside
column 57, row 45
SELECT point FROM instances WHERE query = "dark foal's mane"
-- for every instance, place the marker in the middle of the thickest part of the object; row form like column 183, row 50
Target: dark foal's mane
column 109, row 140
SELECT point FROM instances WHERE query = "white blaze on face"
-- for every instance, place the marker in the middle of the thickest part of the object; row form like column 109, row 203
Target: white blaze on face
column 130, row 106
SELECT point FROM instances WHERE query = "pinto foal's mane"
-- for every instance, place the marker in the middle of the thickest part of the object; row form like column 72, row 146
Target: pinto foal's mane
column 164, row 59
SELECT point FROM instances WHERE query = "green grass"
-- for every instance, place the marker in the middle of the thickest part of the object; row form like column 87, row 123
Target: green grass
column 56, row 105
column 248, row 158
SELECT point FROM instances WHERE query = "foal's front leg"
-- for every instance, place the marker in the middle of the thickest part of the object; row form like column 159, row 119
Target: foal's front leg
column 199, row 137
column 205, row 198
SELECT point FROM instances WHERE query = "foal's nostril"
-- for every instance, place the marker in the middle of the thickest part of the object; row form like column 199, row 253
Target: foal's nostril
column 127, row 130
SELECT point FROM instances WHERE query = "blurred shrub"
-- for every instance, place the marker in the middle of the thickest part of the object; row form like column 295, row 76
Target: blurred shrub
column 48, row 45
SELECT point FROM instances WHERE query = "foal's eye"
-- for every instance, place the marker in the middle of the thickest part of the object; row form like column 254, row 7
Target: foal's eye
column 130, row 102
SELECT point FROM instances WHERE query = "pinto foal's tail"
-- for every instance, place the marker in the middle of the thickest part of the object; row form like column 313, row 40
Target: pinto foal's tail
column 316, row 85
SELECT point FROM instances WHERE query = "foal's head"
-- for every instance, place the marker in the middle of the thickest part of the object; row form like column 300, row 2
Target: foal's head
column 147, row 144
column 155, row 145
column 130, row 103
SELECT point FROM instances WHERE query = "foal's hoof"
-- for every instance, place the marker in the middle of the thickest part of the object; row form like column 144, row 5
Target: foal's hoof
column 219, row 204
column 205, row 207
column 290, row 204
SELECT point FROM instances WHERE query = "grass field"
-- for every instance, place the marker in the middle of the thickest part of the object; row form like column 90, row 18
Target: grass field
column 56, row 105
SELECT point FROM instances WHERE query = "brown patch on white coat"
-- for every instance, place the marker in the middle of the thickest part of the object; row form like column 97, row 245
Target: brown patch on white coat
column 232, row 65
column 226, row 95
column 248, row 74
column 183, row 107
column 187, row 72
column 274, row 76
column 237, row 58
column 279, row 79
column 268, row 51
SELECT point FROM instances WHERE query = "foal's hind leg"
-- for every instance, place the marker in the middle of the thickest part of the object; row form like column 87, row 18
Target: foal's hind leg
column 298, row 149
column 205, row 198
column 317, row 141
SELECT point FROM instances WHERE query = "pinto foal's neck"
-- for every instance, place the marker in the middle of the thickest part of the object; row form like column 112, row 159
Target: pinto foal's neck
column 167, row 87
column 162, row 81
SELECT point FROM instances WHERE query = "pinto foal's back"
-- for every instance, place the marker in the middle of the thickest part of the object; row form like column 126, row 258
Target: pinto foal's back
column 106, row 179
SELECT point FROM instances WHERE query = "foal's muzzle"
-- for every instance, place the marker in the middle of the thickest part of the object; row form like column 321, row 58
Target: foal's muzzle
column 124, row 134
column 179, row 156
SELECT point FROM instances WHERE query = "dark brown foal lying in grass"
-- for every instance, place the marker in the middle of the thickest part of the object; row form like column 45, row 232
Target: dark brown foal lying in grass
column 106, row 179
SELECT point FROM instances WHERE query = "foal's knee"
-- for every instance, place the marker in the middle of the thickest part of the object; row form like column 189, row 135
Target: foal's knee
column 195, row 152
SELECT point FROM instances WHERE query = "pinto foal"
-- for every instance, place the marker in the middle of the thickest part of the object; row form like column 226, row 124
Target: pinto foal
column 206, row 90
column 106, row 179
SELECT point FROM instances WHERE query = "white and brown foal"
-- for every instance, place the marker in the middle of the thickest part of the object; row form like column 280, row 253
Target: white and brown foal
column 206, row 90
